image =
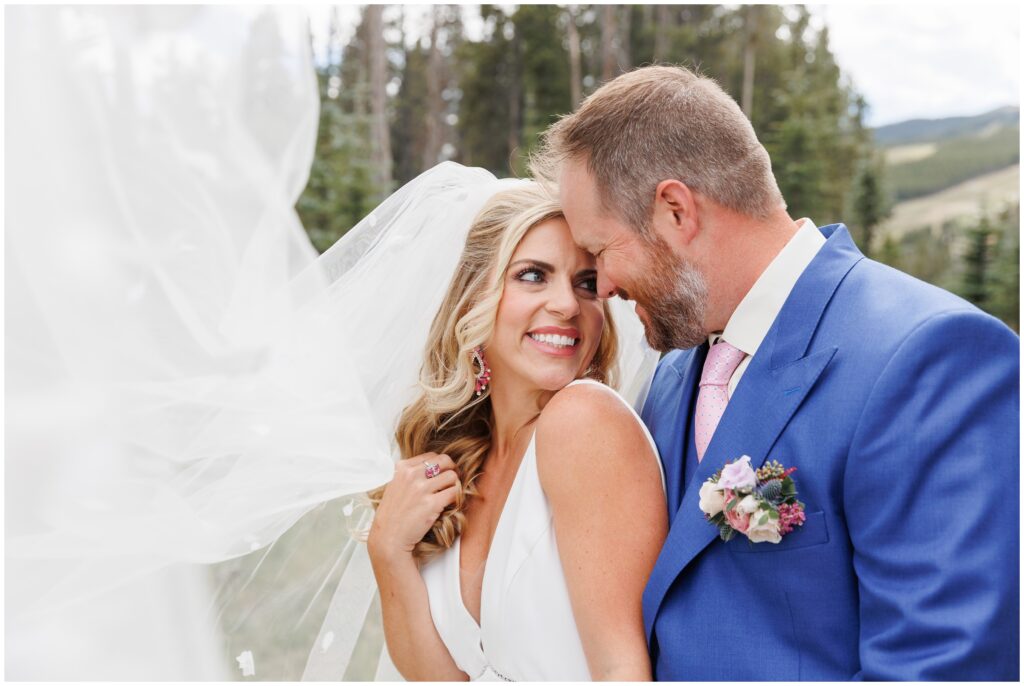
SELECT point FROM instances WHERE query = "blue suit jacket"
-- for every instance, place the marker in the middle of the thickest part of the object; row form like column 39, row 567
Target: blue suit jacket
column 898, row 404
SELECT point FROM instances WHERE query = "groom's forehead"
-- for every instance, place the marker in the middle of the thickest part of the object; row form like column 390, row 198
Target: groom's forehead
column 578, row 189
column 575, row 172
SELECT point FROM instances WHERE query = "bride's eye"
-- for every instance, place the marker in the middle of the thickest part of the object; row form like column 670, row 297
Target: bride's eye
column 589, row 284
column 530, row 275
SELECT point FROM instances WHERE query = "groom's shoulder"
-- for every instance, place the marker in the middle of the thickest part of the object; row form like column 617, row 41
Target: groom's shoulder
column 675, row 361
column 875, row 298
column 670, row 371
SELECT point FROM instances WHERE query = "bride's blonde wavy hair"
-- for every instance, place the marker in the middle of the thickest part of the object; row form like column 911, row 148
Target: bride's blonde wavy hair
column 448, row 417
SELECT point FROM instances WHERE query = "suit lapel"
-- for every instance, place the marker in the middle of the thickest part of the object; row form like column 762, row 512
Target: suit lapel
column 673, row 429
column 774, row 385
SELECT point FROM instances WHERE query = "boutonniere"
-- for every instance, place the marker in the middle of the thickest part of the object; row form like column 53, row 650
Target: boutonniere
column 761, row 504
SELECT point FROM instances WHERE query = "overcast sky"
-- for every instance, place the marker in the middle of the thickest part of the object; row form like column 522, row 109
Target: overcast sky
column 922, row 59
column 928, row 59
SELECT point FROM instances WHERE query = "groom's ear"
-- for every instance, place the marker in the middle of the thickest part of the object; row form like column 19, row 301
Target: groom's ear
column 675, row 212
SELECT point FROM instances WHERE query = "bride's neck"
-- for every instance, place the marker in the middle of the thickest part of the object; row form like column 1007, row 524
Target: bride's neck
column 514, row 410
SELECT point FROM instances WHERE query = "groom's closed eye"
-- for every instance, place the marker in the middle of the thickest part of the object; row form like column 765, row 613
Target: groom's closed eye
column 587, row 279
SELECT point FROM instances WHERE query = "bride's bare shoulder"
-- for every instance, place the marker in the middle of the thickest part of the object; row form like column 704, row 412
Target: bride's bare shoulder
column 584, row 402
column 585, row 422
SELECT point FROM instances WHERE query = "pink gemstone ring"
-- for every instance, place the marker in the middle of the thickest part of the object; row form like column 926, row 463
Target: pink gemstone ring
column 431, row 470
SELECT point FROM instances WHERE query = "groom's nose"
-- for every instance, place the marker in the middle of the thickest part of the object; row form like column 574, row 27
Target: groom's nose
column 606, row 288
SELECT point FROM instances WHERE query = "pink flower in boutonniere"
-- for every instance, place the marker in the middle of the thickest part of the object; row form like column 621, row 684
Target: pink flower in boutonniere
column 791, row 516
column 738, row 514
column 738, row 475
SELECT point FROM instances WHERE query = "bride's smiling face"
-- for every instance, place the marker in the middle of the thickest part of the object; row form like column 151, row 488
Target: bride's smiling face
column 549, row 321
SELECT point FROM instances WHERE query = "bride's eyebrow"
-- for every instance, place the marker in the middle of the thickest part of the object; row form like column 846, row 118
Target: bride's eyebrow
column 586, row 272
column 543, row 266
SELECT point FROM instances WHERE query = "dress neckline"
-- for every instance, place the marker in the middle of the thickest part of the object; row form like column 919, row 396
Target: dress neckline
column 457, row 552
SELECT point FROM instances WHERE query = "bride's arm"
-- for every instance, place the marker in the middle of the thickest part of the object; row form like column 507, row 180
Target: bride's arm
column 410, row 505
column 604, row 485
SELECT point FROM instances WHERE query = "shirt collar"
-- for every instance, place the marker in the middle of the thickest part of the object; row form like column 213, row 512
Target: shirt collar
column 753, row 317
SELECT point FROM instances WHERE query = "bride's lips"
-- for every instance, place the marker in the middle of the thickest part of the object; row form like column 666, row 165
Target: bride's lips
column 555, row 350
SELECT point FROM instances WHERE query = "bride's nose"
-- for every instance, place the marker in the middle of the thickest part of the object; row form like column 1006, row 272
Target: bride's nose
column 563, row 300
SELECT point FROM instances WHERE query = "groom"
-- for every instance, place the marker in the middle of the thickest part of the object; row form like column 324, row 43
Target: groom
column 896, row 402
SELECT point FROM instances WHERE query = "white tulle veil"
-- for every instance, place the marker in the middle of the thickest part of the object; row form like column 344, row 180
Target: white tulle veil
column 195, row 399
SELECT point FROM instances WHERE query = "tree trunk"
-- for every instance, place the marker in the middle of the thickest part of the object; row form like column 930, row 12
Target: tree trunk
column 625, row 41
column 609, row 29
column 661, row 33
column 515, row 97
column 380, row 140
column 647, row 16
column 575, row 75
column 750, row 23
column 432, row 143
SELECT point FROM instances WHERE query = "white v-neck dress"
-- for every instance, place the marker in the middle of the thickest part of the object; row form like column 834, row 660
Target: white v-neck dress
column 527, row 631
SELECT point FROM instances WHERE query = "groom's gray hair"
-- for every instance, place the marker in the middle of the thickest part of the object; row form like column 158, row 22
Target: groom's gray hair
column 657, row 123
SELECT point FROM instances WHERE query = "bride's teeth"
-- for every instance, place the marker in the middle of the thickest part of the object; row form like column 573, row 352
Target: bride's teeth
column 554, row 339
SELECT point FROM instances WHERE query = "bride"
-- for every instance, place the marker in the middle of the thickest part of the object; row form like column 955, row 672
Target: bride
column 187, row 381
column 529, row 491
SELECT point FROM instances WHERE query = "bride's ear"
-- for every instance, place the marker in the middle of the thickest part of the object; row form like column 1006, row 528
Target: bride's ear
column 675, row 212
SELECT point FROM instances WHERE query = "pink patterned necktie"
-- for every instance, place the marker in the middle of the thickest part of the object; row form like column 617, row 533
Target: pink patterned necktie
column 719, row 366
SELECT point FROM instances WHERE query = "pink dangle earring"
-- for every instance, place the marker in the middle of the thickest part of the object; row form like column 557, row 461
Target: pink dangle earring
column 483, row 377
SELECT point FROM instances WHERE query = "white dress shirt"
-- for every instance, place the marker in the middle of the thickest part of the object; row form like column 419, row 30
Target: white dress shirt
column 756, row 313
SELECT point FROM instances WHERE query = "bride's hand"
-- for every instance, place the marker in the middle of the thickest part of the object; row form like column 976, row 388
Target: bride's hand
column 412, row 503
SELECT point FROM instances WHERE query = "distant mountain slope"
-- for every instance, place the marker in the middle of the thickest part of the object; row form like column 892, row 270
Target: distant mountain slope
column 967, row 201
column 929, row 130
column 941, row 164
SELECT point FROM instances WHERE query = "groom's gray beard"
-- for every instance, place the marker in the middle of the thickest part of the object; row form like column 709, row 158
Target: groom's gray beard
column 674, row 295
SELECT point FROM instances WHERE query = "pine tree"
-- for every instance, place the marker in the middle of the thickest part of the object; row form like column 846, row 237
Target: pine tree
column 340, row 190
column 545, row 69
column 871, row 205
column 929, row 255
column 890, row 253
column 981, row 243
column 1003, row 284
column 408, row 132
column 487, row 78
column 426, row 103
column 813, row 128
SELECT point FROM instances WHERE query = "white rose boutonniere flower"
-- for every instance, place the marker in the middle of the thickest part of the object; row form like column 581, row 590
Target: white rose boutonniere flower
column 763, row 528
column 712, row 500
